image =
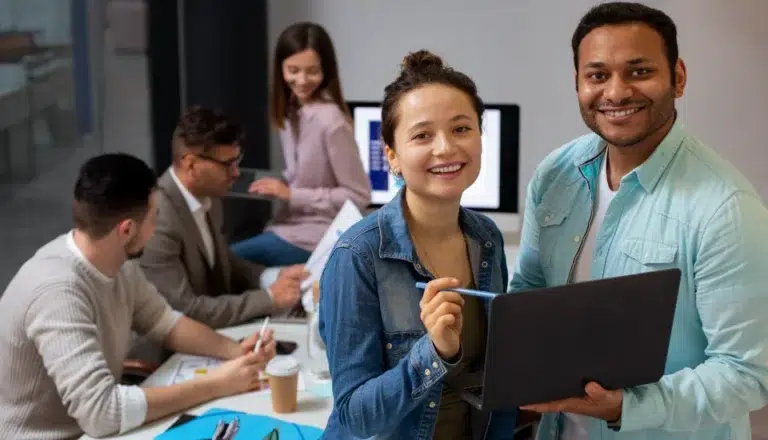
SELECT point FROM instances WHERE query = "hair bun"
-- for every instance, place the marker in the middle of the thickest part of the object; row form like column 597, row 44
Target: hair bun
column 421, row 60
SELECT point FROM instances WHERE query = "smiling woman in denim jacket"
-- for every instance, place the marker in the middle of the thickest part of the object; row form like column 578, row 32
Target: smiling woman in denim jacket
column 393, row 351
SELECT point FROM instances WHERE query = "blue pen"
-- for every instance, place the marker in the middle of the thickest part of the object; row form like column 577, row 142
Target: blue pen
column 478, row 293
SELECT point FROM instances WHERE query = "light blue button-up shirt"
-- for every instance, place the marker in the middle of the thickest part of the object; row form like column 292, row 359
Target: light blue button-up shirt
column 685, row 207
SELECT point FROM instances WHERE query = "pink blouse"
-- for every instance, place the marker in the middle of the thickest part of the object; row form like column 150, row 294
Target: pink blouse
column 323, row 170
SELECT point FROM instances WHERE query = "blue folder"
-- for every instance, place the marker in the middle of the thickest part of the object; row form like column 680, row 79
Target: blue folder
column 252, row 427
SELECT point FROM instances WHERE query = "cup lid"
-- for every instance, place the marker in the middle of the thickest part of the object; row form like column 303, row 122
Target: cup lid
column 283, row 366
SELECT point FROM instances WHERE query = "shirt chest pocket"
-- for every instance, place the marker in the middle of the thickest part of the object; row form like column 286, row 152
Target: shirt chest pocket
column 559, row 206
column 551, row 229
column 398, row 344
column 645, row 255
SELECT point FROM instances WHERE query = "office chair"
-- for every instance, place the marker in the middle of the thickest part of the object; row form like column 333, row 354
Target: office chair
column 136, row 370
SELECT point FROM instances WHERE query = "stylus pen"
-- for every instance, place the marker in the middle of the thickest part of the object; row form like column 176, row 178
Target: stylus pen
column 261, row 335
column 478, row 293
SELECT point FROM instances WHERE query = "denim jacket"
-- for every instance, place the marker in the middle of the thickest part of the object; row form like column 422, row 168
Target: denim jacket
column 387, row 376
column 684, row 208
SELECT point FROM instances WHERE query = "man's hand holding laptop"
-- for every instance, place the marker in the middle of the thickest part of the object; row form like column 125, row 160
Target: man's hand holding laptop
column 599, row 403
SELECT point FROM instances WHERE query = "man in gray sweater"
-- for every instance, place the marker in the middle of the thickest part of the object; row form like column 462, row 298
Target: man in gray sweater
column 67, row 315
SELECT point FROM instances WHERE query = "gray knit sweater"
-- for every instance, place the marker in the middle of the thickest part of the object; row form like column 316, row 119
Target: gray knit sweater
column 65, row 329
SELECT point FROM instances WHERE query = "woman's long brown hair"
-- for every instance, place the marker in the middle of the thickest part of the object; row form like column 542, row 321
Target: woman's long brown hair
column 294, row 39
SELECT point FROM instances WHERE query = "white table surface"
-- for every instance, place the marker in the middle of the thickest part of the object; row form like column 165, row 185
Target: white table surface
column 312, row 410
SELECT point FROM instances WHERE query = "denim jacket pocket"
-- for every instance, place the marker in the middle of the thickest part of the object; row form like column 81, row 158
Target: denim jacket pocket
column 649, row 253
column 398, row 344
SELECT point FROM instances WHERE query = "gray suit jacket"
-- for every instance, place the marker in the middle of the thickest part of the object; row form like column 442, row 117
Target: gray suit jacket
column 174, row 260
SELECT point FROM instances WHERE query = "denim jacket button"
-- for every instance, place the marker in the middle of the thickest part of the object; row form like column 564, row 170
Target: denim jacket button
column 418, row 266
column 484, row 264
column 427, row 372
column 488, row 244
column 434, row 364
column 389, row 346
column 432, row 404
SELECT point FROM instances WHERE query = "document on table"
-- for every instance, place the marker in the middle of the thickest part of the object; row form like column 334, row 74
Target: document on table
column 192, row 366
column 347, row 216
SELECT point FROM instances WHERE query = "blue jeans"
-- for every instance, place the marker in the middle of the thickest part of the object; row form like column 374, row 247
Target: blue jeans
column 270, row 250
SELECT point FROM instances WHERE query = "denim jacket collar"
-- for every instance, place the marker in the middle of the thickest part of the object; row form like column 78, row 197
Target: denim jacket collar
column 395, row 240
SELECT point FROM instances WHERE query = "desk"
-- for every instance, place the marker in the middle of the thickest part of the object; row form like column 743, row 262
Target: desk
column 312, row 410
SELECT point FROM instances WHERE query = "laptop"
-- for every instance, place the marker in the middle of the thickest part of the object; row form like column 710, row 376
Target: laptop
column 547, row 344
column 248, row 176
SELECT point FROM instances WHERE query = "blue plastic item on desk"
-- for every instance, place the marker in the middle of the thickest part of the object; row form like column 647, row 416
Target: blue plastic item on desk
column 252, row 427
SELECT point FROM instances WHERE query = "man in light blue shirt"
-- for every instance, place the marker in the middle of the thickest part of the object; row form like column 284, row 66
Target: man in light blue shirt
column 641, row 194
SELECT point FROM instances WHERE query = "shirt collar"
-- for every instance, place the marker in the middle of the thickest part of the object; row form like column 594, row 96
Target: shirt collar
column 193, row 203
column 650, row 171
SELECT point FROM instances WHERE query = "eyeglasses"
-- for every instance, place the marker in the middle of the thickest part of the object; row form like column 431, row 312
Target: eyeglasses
column 229, row 163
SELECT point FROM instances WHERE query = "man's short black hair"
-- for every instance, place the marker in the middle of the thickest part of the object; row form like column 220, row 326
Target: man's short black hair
column 625, row 12
column 205, row 128
column 109, row 189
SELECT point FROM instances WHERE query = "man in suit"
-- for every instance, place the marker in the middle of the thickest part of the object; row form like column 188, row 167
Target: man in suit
column 188, row 259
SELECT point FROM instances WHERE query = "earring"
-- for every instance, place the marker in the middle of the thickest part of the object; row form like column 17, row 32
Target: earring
column 398, row 175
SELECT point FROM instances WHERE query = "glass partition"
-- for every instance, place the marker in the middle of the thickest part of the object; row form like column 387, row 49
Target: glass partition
column 51, row 84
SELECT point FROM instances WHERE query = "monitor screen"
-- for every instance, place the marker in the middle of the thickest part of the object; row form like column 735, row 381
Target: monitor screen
column 496, row 186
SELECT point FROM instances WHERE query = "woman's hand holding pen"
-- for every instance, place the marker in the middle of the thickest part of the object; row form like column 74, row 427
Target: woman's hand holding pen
column 242, row 374
column 441, row 315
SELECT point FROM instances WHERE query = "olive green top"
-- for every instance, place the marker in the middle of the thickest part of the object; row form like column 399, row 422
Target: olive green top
column 453, row 421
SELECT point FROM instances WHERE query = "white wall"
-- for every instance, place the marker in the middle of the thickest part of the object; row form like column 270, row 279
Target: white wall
column 518, row 51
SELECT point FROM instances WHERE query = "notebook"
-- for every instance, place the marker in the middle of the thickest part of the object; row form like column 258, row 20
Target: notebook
column 252, row 427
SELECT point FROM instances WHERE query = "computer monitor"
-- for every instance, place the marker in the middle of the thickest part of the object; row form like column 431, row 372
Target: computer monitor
column 495, row 189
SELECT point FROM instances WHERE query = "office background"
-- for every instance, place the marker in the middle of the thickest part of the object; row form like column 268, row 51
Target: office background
column 518, row 51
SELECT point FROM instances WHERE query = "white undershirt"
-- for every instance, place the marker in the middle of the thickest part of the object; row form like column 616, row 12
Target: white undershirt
column 575, row 426
column 199, row 209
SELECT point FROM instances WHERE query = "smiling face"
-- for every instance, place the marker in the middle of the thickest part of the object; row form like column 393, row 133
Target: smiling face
column 303, row 73
column 437, row 142
column 625, row 89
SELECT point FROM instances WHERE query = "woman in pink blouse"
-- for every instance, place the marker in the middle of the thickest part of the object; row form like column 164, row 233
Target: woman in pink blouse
column 323, row 166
